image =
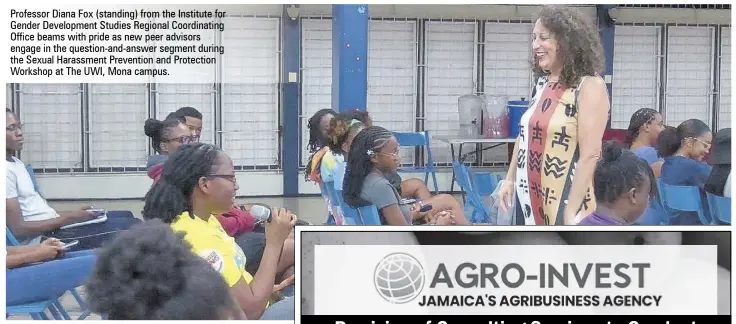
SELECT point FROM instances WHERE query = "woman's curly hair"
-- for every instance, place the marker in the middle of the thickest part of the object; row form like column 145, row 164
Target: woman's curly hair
column 578, row 44
column 150, row 273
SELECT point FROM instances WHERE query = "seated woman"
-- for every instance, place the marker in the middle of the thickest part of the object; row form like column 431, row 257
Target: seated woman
column 373, row 154
column 198, row 181
column 166, row 138
column 410, row 188
column 149, row 273
column 318, row 125
column 622, row 183
column 43, row 271
column 719, row 181
column 644, row 129
column 683, row 149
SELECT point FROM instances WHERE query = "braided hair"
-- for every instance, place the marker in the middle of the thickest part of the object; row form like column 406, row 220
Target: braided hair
column 640, row 118
column 159, row 130
column 618, row 171
column 316, row 141
column 359, row 163
column 171, row 195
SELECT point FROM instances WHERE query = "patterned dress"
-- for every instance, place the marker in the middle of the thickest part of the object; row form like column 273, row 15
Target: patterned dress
column 548, row 155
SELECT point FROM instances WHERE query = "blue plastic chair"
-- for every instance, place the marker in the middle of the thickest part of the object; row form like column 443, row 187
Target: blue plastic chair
column 365, row 215
column 29, row 168
column 481, row 213
column 414, row 139
column 37, row 309
column 720, row 208
column 683, row 199
column 656, row 214
column 335, row 202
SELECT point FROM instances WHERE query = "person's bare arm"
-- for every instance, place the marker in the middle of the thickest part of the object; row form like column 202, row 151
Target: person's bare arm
column 18, row 256
column 16, row 260
column 593, row 107
column 20, row 227
column 511, row 174
column 253, row 298
column 393, row 215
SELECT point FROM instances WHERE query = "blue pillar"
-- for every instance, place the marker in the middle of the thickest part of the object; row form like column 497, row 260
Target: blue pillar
column 606, row 30
column 291, row 52
column 349, row 56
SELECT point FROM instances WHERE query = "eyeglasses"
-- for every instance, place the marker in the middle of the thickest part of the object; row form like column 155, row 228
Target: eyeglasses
column 14, row 127
column 394, row 155
column 187, row 139
column 229, row 177
column 706, row 144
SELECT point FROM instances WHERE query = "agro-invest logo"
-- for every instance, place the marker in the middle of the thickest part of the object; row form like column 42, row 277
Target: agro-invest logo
column 399, row 278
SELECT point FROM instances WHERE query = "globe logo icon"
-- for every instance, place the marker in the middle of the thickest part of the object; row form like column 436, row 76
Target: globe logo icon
column 399, row 278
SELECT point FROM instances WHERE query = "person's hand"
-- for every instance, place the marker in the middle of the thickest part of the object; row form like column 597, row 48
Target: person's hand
column 506, row 195
column 47, row 250
column 52, row 242
column 283, row 284
column 444, row 218
column 82, row 215
column 281, row 224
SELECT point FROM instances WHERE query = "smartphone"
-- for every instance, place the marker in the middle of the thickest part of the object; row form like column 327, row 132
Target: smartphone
column 425, row 208
column 67, row 245
column 99, row 212
column 408, row 201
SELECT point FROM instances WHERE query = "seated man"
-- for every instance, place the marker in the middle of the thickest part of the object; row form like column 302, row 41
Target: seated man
column 29, row 216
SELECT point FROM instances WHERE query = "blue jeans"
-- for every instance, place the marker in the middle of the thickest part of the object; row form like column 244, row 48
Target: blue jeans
column 48, row 280
column 92, row 236
column 280, row 311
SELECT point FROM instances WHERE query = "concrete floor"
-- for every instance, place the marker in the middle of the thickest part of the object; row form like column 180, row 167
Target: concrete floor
column 311, row 209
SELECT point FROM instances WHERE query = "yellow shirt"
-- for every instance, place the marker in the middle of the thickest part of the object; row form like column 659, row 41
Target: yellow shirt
column 212, row 243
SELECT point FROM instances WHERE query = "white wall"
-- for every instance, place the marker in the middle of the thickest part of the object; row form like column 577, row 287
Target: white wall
column 55, row 121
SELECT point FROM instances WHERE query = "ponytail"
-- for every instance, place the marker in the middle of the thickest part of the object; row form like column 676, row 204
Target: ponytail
column 158, row 130
column 668, row 142
column 671, row 139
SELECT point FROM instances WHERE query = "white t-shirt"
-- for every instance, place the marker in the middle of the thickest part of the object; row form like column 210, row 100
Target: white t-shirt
column 18, row 184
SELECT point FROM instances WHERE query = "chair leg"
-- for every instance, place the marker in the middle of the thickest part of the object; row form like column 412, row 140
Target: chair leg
column 434, row 180
column 62, row 311
column 80, row 300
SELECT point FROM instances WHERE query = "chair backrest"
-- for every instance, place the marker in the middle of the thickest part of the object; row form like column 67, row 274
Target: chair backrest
column 29, row 168
column 414, row 139
column 10, row 239
column 463, row 178
column 365, row 215
column 683, row 198
column 719, row 207
column 484, row 183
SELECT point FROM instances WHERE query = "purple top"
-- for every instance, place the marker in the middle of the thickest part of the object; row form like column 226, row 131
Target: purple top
column 598, row 219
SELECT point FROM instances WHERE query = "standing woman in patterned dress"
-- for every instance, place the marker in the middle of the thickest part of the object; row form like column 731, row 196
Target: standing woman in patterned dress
column 561, row 134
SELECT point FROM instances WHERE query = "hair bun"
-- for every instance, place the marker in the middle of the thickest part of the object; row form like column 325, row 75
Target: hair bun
column 152, row 128
column 612, row 151
column 338, row 129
